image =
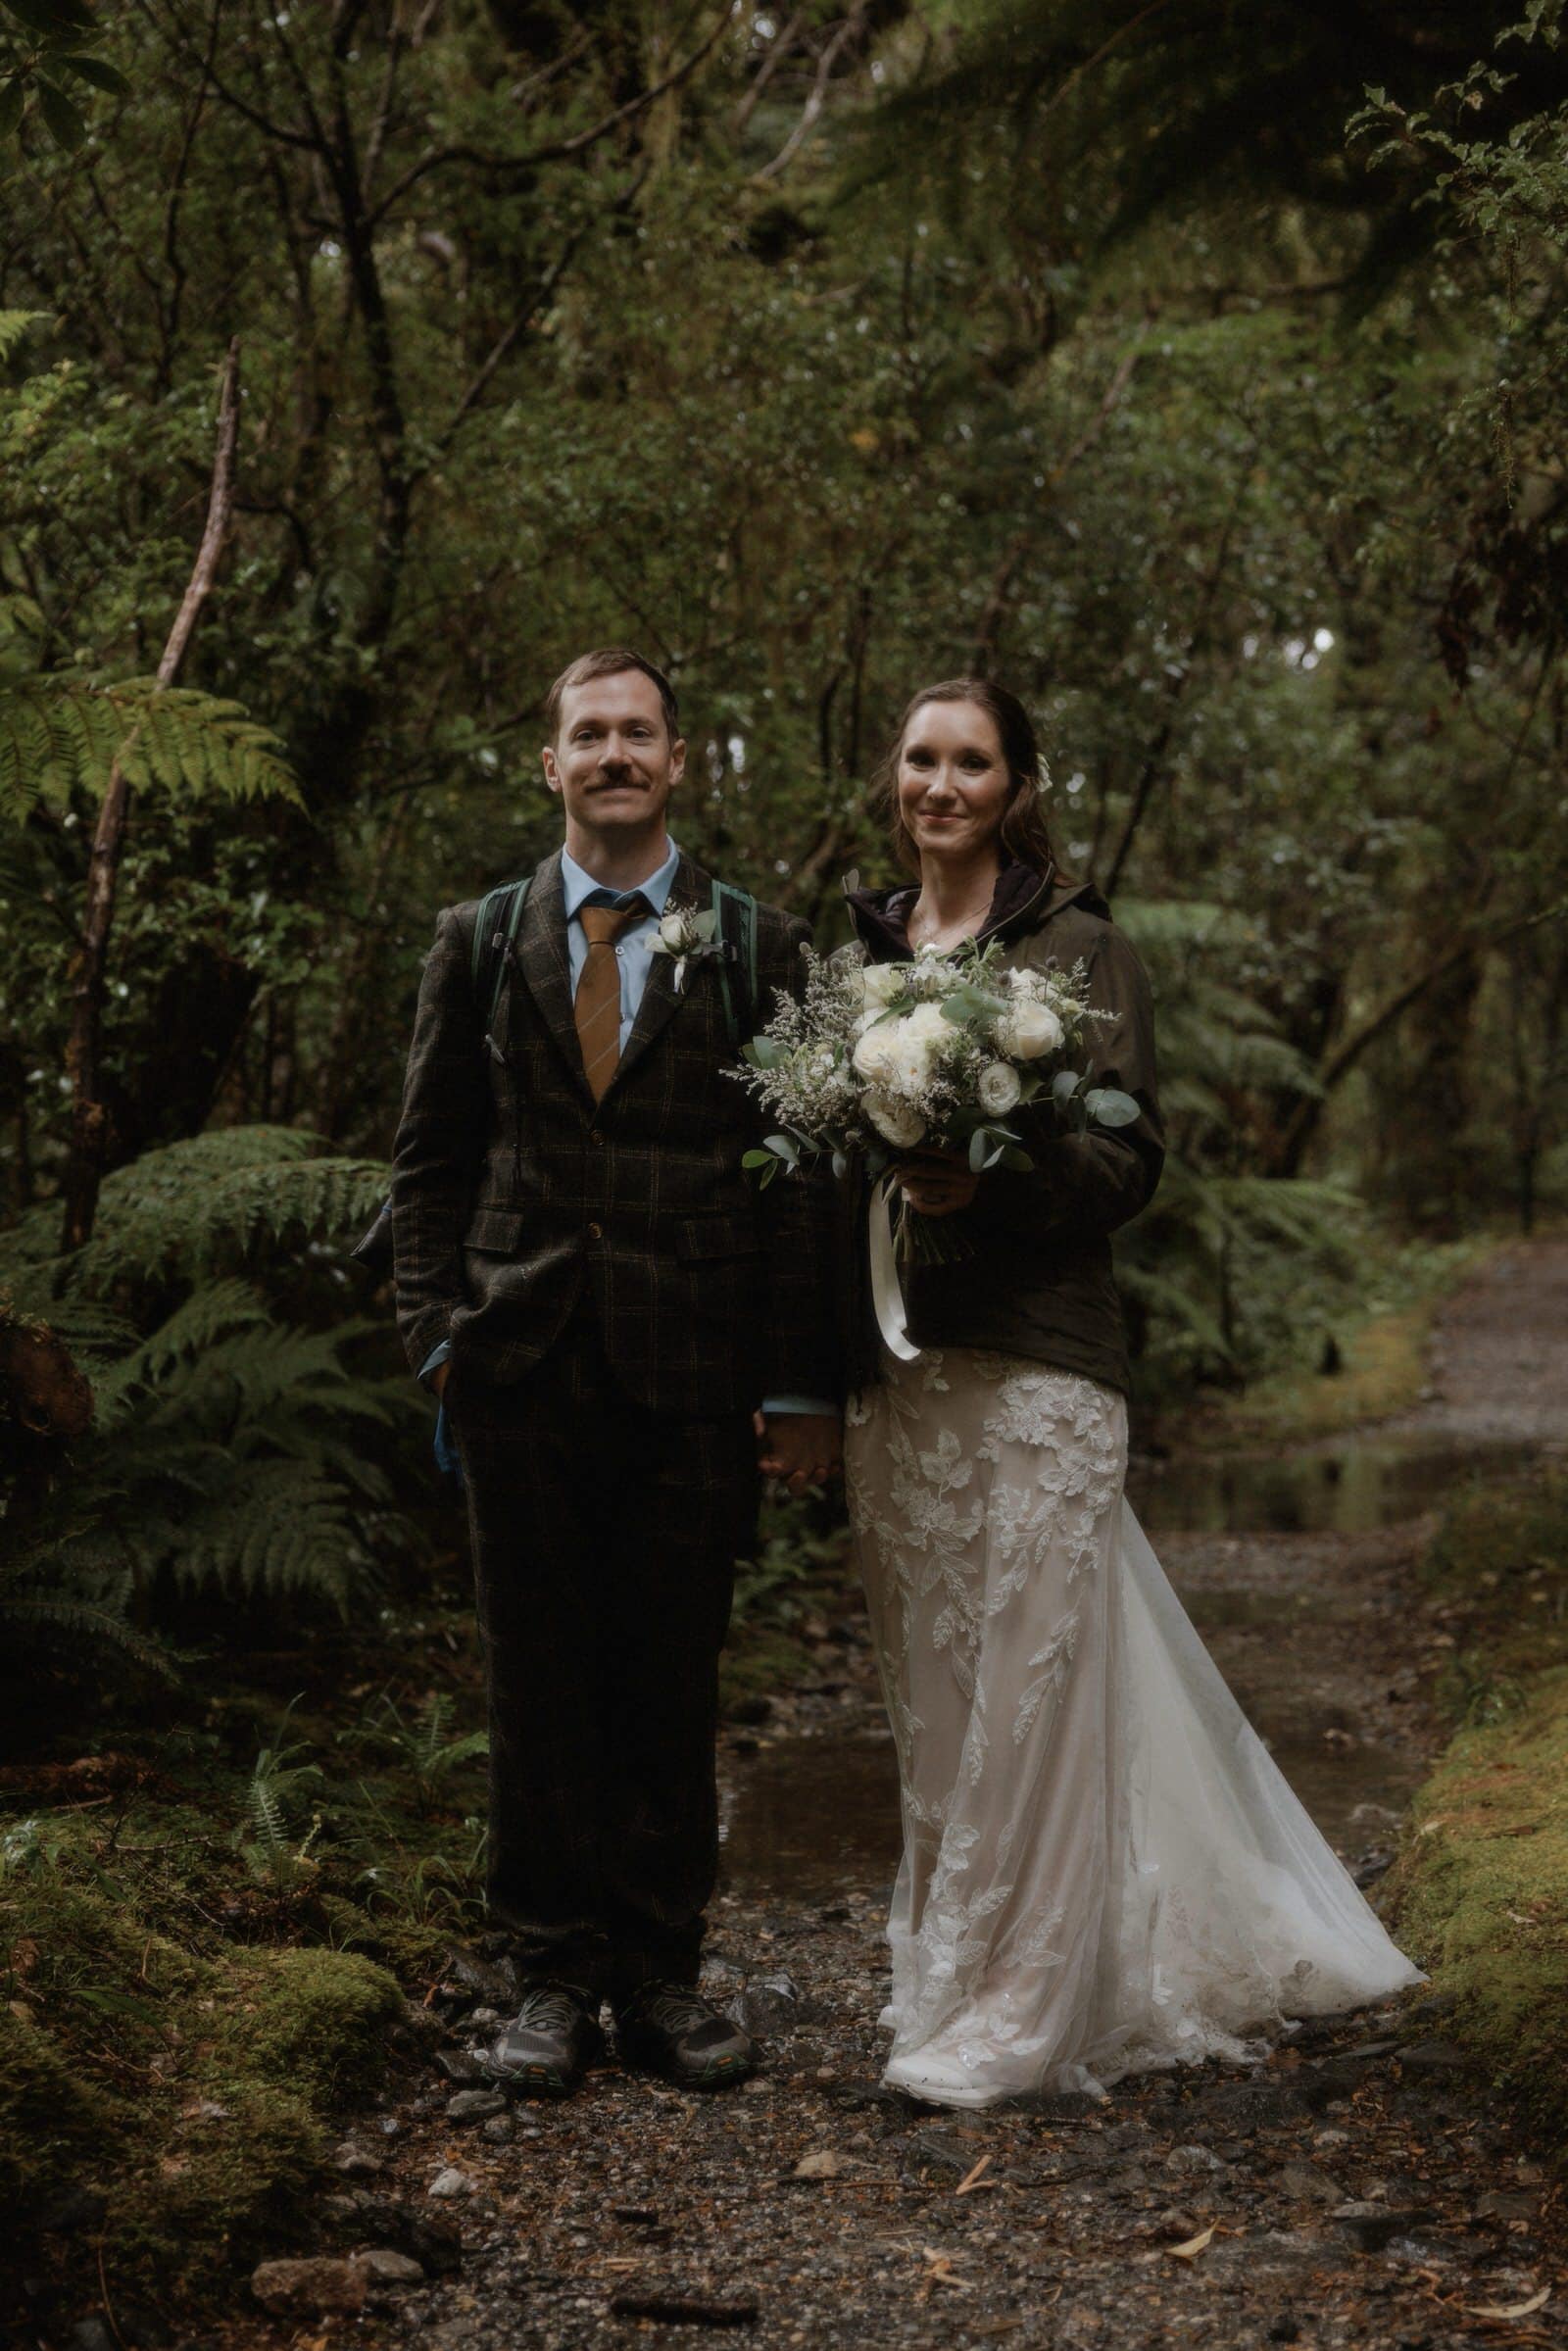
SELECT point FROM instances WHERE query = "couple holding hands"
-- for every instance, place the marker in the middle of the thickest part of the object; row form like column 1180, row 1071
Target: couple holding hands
column 1103, row 1870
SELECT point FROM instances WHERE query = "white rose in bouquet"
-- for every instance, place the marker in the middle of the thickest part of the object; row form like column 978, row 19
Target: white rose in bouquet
column 881, row 983
column 920, row 1040
column 896, row 1121
column 997, row 1086
column 1028, row 1030
column 875, row 1052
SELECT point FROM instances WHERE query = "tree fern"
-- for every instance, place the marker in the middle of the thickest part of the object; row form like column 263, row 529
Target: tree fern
column 59, row 737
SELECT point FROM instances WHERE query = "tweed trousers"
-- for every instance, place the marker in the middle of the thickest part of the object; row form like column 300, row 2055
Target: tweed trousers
column 605, row 1536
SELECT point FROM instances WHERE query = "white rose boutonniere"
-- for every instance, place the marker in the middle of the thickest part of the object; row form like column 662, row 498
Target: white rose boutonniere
column 687, row 936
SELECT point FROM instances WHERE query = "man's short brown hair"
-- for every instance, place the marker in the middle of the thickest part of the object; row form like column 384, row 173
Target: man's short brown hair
column 608, row 661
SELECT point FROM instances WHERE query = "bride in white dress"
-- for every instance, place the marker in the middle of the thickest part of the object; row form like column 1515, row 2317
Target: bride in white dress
column 1102, row 1869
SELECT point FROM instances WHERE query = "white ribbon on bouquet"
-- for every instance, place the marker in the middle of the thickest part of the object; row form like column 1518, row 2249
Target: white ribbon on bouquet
column 887, row 1292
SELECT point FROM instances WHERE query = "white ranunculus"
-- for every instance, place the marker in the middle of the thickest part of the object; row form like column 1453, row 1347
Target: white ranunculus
column 881, row 983
column 898, row 1122
column 874, row 1051
column 672, row 932
column 1028, row 1031
column 998, row 1088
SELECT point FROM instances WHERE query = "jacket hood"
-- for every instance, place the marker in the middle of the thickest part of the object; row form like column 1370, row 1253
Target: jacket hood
column 1023, row 901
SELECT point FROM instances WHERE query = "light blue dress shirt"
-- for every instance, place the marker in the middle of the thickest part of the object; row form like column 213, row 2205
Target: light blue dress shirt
column 634, row 951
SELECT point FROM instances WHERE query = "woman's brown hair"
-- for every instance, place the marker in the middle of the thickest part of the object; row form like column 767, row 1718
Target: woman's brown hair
column 1024, row 833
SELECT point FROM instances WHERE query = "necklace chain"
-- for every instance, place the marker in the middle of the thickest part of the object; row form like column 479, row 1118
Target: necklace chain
column 933, row 934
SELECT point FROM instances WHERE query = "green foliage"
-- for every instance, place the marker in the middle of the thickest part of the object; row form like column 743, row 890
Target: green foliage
column 59, row 737
column 236, row 1197
column 424, row 1749
column 269, row 1838
column 1481, row 1892
column 196, row 2085
column 44, row 60
column 230, row 1451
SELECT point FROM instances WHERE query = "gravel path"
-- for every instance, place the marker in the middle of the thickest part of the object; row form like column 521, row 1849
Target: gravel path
column 1357, row 2189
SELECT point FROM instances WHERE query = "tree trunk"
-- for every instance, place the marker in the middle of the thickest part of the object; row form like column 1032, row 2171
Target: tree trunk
column 89, row 1115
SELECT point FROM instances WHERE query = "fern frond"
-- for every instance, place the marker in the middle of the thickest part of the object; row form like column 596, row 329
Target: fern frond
column 279, row 1529
column 14, row 325
column 221, row 1201
column 207, row 1316
column 60, row 736
column 78, row 1622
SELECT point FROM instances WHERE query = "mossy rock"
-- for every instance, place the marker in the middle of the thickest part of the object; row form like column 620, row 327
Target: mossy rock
column 220, row 2185
column 255, row 2048
column 1481, row 1895
column 316, row 2019
column 54, row 2127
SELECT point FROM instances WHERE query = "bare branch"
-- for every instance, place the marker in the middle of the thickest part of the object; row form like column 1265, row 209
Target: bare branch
column 480, row 159
column 505, row 343
column 781, row 47
column 1176, row 684
column 850, row 31
column 186, row 50
column 1017, row 547
column 84, row 1165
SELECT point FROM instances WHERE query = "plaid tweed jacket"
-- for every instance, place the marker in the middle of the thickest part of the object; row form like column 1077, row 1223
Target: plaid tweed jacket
column 514, row 1195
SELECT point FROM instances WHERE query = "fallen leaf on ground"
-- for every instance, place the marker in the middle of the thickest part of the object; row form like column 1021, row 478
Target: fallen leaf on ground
column 970, row 2178
column 1509, row 2310
column 823, row 2164
column 1193, row 2245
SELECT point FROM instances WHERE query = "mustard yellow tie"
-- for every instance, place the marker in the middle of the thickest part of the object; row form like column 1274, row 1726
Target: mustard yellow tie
column 596, row 1007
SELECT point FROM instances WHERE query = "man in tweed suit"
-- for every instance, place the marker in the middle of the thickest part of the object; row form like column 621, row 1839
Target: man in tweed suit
column 605, row 1302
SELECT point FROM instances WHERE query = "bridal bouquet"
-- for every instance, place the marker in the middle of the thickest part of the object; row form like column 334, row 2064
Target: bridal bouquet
column 881, row 1059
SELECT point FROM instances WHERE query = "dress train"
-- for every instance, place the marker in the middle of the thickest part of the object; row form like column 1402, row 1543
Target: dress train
column 1104, row 1868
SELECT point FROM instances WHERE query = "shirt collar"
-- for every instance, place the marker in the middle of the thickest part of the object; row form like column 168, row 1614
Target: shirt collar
column 577, row 883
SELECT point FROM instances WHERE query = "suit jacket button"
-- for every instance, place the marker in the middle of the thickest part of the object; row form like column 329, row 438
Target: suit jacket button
column 596, row 1232
column 596, row 1136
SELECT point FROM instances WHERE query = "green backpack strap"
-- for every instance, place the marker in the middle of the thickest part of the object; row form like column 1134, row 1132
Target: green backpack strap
column 736, row 913
column 495, row 927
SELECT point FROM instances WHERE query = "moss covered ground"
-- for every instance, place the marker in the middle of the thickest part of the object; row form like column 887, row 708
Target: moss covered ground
column 203, row 1950
column 221, row 1908
column 1481, row 1892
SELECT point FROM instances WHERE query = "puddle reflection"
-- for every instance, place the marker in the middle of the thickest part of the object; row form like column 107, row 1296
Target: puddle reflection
column 1354, row 1490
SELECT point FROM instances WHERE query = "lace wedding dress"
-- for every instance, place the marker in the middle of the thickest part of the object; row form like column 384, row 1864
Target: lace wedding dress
column 1102, row 1869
